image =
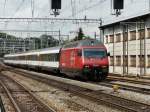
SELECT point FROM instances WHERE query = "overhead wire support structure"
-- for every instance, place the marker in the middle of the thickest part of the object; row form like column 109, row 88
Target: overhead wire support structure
column 25, row 31
column 49, row 19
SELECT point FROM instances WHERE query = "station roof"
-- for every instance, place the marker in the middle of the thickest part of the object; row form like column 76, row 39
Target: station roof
column 125, row 19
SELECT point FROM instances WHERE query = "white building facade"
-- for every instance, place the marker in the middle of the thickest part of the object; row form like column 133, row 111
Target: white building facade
column 128, row 42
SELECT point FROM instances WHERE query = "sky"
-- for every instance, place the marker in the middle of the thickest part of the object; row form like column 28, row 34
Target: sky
column 94, row 9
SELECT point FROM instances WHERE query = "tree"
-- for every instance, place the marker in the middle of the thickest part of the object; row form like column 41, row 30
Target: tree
column 48, row 41
column 80, row 35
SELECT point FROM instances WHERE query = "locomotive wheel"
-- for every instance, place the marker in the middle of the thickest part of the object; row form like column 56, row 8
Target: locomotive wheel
column 97, row 76
column 100, row 77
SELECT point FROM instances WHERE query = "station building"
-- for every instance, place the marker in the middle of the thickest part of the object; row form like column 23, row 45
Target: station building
column 128, row 41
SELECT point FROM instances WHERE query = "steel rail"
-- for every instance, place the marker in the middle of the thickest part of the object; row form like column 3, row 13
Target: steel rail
column 10, row 97
column 33, row 95
column 119, row 78
column 126, row 87
column 2, row 105
column 29, row 92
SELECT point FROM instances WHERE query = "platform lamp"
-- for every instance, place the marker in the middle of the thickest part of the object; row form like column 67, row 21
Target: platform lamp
column 55, row 7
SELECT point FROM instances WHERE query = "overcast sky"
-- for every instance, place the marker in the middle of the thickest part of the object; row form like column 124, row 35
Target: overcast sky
column 76, row 9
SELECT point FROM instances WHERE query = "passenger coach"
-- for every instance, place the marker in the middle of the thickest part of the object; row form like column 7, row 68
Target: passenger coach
column 43, row 59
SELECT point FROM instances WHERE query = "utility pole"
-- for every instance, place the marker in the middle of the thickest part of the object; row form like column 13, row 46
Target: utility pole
column 59, row 38
column 68, row 38
column 149, row 5
column 5, row 43
column 95, row 35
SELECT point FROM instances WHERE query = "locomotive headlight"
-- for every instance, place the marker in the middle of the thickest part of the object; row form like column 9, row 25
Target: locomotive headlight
column 104, row 66
column 86, row 69
column 87, row 66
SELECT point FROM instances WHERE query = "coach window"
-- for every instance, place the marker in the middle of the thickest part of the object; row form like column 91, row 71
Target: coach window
column 44, row 57
column 21, row 57
column 18, row 57
column 27, row 57
column 15, row 58
column 56, row 56
column 31, row 57
column 50, row 57
column 133, row 60
column 53, row 57
column 34, row 57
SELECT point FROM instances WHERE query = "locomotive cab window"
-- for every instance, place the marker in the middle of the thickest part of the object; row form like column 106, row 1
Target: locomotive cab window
column 95, row 53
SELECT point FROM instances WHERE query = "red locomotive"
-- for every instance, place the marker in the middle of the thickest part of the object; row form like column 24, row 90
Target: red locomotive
column 86, row 58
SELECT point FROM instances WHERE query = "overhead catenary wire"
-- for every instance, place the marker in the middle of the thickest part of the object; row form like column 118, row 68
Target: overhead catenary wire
column 17, row 9
column 89, row 7
column 75, row 11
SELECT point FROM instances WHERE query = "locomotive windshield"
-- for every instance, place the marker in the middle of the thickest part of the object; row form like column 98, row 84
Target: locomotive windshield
column 95, row 53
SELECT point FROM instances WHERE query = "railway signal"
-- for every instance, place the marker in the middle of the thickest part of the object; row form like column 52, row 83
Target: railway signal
column 118, row 5
column 55, row 6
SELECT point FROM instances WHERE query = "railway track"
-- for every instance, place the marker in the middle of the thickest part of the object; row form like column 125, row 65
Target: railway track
column 96, row 96
column 125, row 87
column 130, row 80
column 22, row 99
